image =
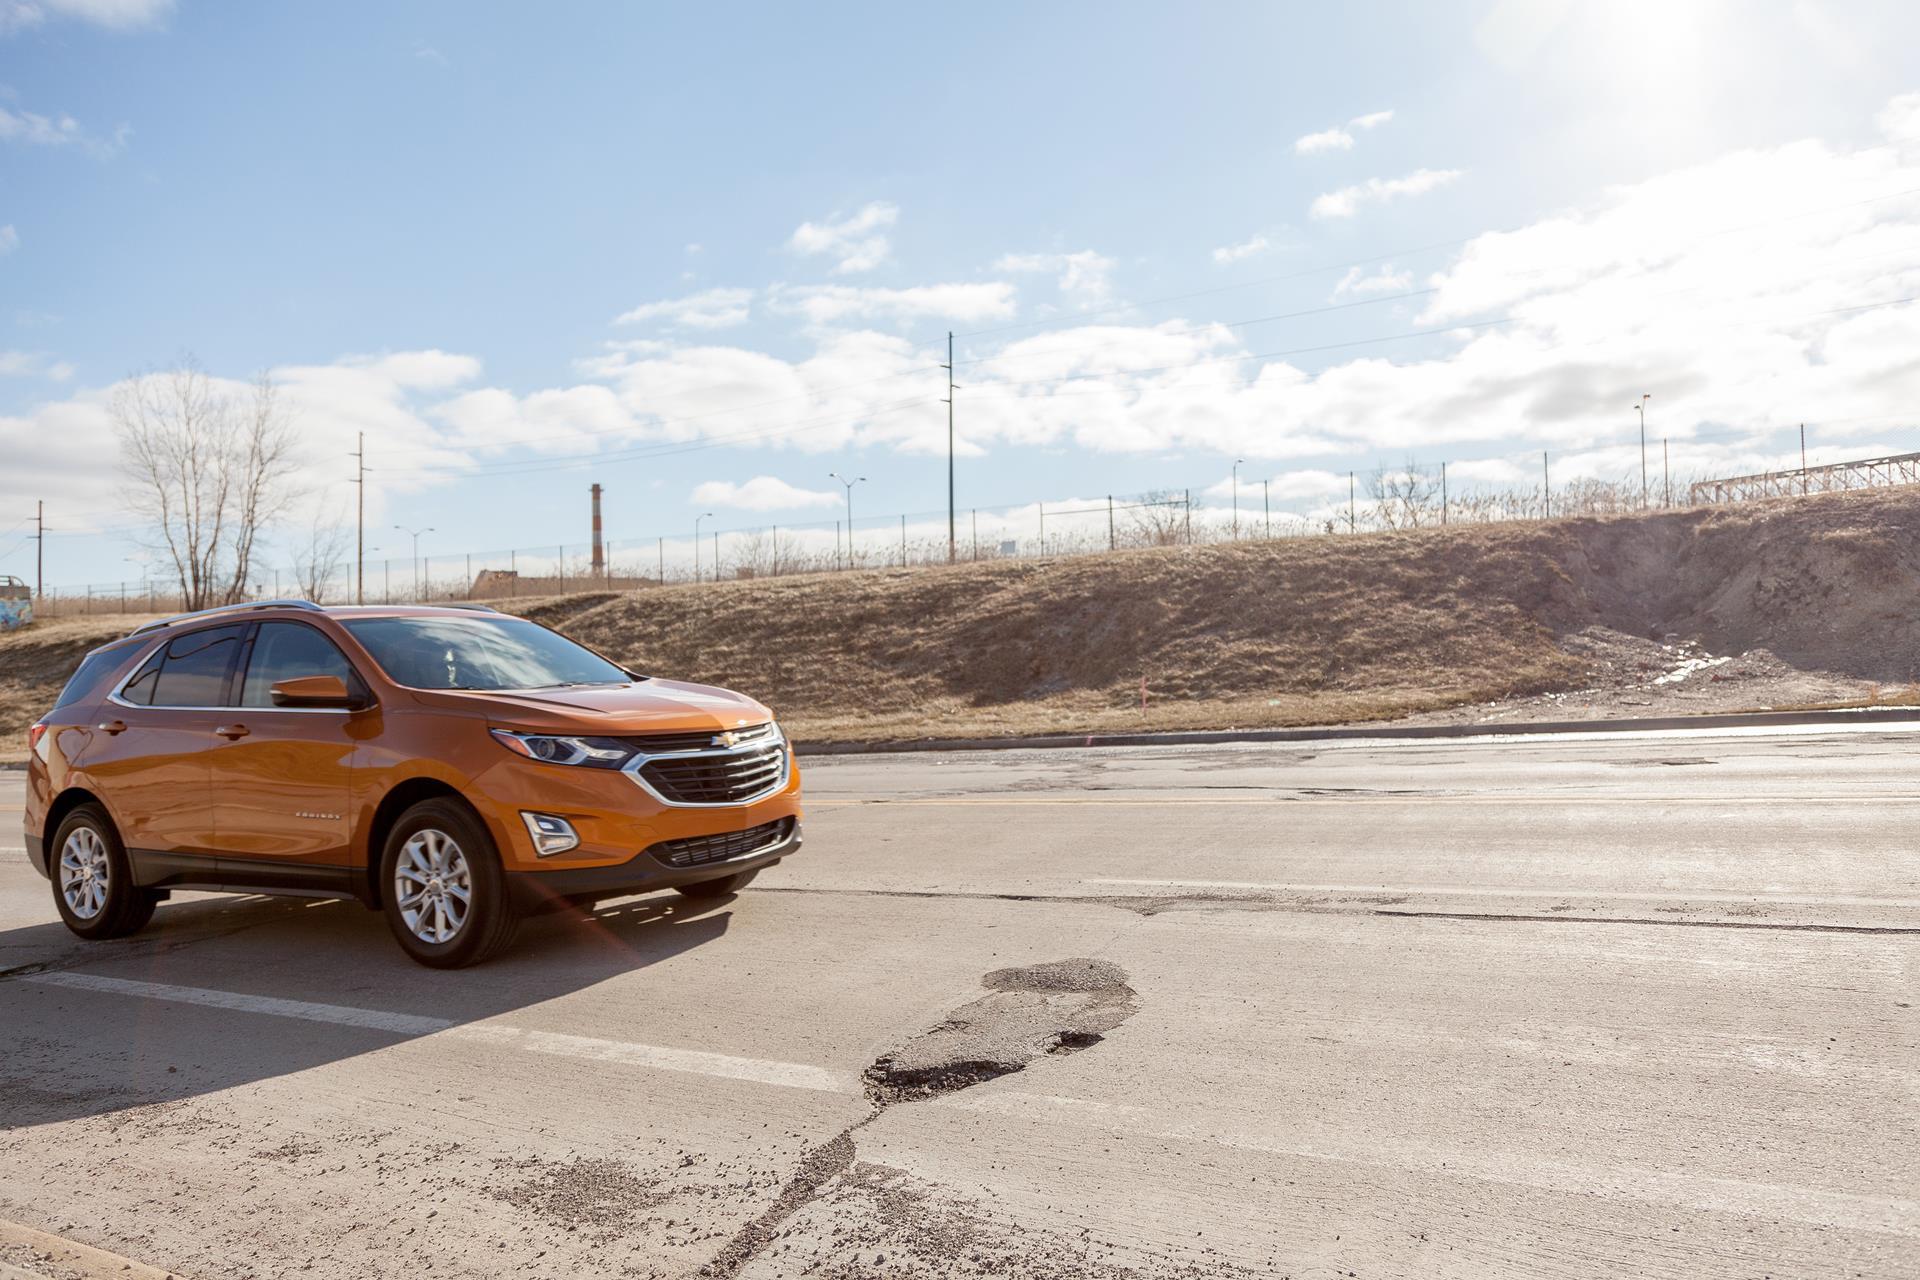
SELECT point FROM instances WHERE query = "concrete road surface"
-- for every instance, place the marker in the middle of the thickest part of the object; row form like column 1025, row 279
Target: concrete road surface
column 1617, row 1006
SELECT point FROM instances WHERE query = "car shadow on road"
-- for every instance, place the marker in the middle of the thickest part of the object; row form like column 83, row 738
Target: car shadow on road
column 68, row 1053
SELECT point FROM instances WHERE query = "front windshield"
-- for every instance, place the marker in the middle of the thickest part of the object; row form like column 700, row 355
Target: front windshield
column 479, row 653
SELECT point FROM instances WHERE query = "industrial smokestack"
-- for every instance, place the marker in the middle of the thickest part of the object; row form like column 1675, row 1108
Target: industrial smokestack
column 599, row 551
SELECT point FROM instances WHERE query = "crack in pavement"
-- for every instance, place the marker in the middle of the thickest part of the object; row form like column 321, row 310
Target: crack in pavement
column 1064, row 1006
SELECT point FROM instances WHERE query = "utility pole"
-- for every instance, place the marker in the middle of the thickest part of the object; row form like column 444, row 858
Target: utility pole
column 660, row 549
column 40, row 549
column 716, row 555
column 951, row 512
column 1666, row 474
column 849, row 484
column 360, row 523
column 1443, row 493
column 1546, row 485
column 1112, row 544
column 1186, row 500
column 1236, row 498
column 1803, row 459
column 1266, row 510
column 1642, row 407
column 1353, row 521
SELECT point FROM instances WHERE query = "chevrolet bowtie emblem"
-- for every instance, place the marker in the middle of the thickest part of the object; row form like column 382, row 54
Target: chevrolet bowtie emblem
column 726, row 739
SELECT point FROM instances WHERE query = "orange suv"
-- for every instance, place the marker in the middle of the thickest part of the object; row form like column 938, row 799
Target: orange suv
column 453, row 767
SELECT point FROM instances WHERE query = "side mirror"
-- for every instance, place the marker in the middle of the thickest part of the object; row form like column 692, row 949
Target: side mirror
column 312, row 691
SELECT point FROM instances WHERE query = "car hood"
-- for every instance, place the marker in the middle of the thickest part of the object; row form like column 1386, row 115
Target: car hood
column 646, row 706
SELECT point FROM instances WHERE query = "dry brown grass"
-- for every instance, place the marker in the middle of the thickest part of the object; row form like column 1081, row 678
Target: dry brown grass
column 1299, row 631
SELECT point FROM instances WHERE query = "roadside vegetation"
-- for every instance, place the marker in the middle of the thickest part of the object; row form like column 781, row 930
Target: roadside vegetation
column 1284, row 632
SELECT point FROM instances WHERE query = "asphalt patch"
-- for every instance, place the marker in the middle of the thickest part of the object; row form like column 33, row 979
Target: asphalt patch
column 1032, row 1012
column 1063, row 1006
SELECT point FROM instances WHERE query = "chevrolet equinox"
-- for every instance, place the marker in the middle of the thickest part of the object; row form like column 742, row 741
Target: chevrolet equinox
column 452, row 767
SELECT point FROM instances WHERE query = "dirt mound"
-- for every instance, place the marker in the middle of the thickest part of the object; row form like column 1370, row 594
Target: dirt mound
column 1293, row 631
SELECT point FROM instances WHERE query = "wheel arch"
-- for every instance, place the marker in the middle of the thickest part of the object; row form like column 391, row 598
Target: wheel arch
column 65, row 803
column 400, row 798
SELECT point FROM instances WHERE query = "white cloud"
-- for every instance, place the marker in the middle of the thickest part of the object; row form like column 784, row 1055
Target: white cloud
column 858, row 243
column 114, row 15
column 1347, row 201
column 29, row 128
column 1083, row 276
column 32, row 364
column 762, row 493
column 709, row 309
column 1250, row 248
column 832, row 304
column 1312, row 144
column 9, row 239
column 1899, row 120
column 1383, row 279
column 1338, row 138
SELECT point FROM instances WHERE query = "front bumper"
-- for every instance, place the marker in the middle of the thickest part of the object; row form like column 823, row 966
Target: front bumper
column 645, row 872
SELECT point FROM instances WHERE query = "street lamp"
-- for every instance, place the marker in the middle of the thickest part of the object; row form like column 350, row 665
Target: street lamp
column 705, row 515
column 1642, row 409
column 415, row 533
column 849, row 483
column 1237, row 463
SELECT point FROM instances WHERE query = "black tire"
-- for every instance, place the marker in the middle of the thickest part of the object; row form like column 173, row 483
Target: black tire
column 118, row 906
column 724, row 887
column 490, row 918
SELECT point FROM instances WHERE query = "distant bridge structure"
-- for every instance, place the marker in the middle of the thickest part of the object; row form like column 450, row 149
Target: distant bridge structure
column 1866, row 473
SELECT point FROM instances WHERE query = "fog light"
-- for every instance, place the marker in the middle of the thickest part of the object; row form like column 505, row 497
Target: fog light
column 551, row 835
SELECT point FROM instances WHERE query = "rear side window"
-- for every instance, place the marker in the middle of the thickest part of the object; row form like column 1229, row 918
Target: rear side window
column 92, row 673
column 193, row 671
column 286, row 651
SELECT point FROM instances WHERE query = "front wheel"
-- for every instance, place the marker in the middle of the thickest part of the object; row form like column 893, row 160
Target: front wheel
column 93, row 884
column 721, row 888
column 442, row 889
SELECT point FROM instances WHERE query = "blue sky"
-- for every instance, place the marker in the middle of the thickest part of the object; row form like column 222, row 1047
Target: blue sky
column 429, row 220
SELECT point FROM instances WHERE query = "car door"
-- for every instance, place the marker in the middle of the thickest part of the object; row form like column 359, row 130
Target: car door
column 283, row 776
column 149, row 754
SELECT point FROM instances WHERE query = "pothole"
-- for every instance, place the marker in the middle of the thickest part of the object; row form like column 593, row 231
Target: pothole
column 1061, row 1007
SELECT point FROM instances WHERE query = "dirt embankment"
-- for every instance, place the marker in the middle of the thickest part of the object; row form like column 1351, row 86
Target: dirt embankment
column 1306, row 630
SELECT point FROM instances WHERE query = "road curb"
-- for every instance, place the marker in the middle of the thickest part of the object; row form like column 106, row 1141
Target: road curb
column 71, row 1256
column 1203, row 737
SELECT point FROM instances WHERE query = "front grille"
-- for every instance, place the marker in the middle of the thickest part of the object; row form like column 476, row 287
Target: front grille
column 658, row 743
column 716, row 779
column 698, row 851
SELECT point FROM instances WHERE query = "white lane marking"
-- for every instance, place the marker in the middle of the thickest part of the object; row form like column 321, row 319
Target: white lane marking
column 794, row 1075
column 1888, row 1215
column 1576, row 891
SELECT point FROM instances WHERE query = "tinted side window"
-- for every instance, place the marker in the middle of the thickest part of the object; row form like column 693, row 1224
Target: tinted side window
column 92, row 673
column 285, row 650
column 195, row 672
column 139, row 690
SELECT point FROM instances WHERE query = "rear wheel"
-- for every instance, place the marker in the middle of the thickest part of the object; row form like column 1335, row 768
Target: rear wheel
column 93, row 884
column 442, row 889
column 720, row 888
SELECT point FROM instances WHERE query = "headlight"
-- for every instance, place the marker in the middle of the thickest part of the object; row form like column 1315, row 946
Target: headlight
column 594, row 753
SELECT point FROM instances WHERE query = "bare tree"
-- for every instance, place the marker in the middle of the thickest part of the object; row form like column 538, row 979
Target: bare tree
column 205, row 473
column 1159, row 519
column 320, row 556
column 1404, row 497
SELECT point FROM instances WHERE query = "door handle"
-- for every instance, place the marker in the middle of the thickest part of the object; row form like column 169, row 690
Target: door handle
column 113, row 726
column 232, row 731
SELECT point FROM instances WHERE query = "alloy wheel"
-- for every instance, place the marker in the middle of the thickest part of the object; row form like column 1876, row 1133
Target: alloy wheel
column 432, row 886
column 84, row 873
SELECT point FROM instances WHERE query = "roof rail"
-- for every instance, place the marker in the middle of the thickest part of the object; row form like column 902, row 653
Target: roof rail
column 225, row 608
column 469, row 604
